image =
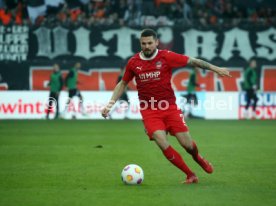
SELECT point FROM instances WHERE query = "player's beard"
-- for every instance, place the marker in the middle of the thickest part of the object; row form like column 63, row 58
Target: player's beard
column 147, row 53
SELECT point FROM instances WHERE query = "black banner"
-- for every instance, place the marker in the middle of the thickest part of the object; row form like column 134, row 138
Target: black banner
column 22, row 48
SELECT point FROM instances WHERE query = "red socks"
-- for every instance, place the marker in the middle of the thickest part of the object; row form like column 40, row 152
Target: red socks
column 174, row 157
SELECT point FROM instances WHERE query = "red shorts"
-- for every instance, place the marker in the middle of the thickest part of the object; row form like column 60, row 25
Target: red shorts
column 170, row 120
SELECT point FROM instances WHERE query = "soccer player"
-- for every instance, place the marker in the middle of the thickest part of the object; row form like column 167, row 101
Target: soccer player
column 191, row 92
column 71, row 81
column 250, row 86
column 152, row 69
column 55, row 88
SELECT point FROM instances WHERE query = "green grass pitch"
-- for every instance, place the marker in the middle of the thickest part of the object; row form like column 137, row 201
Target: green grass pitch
column 58, row 163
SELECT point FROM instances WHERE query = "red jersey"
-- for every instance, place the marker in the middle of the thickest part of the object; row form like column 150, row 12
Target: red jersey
column 153, row 75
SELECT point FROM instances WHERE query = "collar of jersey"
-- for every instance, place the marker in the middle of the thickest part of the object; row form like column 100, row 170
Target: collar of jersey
column 145, row 58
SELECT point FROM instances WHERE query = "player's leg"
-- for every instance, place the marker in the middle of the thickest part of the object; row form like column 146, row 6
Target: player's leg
column 195, row 99
column 188, row 106
column 185, row 139
column 248, row 102
column 57, row 105
column 178, row 128
column 172, row 155
column 68, row 102
column 248, row 98
column 155, row 129
column 78, row 94
column 71, row 93
column 50, row 102
column 160, row 138
column 193, row 103
column 255, row 100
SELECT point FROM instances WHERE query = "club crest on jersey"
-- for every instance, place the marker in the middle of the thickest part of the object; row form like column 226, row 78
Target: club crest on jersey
column 158, row 65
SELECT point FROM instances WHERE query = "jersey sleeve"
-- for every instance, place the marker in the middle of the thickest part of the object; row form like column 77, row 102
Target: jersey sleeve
column 175, row 60
column 61, row 82
column 128, row 75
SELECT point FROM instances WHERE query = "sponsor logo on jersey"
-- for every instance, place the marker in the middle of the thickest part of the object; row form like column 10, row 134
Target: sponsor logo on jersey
column 150, row 75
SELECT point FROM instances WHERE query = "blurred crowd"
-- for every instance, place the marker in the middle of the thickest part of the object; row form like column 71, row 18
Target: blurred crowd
column 138, row 12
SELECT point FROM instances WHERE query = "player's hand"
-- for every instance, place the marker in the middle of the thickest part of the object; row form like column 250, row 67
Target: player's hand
column 223, row 72
column 105, row 111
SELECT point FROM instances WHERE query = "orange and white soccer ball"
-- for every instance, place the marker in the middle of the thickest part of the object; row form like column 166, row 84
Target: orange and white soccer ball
column 132, row 174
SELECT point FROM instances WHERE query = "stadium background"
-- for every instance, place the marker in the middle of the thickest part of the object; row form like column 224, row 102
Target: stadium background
column 102, row 35
column 76, row 162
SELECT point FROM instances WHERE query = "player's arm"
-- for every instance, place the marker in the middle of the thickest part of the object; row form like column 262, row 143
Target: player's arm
column 205, row 65
column 61, row 83
column 49, row 83
column 117, row 93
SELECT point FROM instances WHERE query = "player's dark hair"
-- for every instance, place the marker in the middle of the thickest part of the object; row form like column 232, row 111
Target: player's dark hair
column 149, row 32
column 252, row 59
